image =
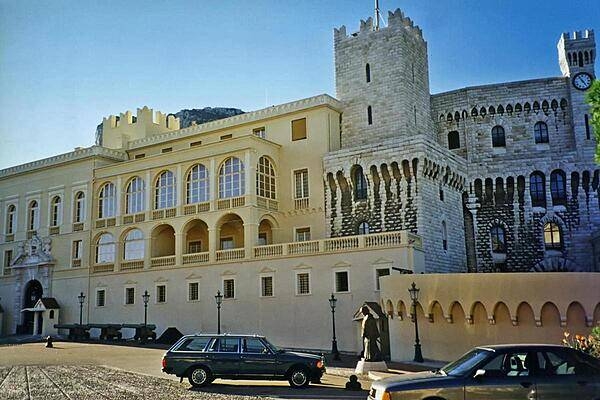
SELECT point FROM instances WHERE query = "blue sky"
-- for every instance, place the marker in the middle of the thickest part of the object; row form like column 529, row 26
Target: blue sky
column 66, row 64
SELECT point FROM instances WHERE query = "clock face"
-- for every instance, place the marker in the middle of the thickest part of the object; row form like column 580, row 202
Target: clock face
column 582, row 81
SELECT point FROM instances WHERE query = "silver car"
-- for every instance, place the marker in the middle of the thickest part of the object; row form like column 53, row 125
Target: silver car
column 501, row 372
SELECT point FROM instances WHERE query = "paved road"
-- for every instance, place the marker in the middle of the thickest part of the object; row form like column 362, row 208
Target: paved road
column 91, row 371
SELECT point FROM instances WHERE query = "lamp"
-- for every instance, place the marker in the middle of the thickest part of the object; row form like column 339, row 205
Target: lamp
column 218, row 300
column 414, row 296
column 334, row 350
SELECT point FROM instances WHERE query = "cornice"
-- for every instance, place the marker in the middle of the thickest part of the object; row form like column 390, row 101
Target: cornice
column 249, row 117
column 79, row 154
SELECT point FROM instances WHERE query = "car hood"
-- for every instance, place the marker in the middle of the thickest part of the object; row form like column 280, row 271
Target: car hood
column 412, row 379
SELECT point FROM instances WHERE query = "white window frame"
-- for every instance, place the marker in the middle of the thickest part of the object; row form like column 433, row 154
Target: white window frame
column 304, row 195
column 376, row 283
column 75, row 203
column 296, row 228
column 260, row 285
column 52, row 221
column 195, row 185
column 15, row 214
column 135, row 196
column 190, row 282
column 227, row 278
column 228, row 187
column 97, row 291
column 335, row 272
column 156, row 286
column 165, row 190
column 125, row 303
column 77, row 249
column 134, row 243
column 266, row 178
column 108, row 245
column 107, row 201
column 296, row 282
column 33, row 223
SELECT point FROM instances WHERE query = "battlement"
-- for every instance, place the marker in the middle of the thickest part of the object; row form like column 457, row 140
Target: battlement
column 118, row 130
column 578, row 35
column 396, row 21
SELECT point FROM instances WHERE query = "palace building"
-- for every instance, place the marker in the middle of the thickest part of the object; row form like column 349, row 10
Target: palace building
column 280, row 207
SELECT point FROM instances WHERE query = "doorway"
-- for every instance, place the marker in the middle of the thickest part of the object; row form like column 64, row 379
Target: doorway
column 33, row 292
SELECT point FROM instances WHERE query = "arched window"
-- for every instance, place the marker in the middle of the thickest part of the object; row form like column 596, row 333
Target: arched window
column 453, row 140
column 360, row 183
column 197, row 185
column 231, row 178
column 368, row 72
column 498, row 238
column 105, row 249
column 498, row 137
column 363, row 228
column 33, row 216
column 55, row 211
column 164, row 195
column 369, row 115
column 107, row 201
column 444, row 236
column 537, row 189
column 134, row 245
column 558, row 187
column 79, row 211
column 540, row 130
column 552, row 236
column 11, row 214
column 265, row 178
column 134, row 196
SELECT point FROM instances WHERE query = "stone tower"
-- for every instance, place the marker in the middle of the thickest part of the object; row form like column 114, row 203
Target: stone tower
column 576, row 57
column 382, row 78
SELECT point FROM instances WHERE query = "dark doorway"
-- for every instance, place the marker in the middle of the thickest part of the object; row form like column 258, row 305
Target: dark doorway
column 33, row 292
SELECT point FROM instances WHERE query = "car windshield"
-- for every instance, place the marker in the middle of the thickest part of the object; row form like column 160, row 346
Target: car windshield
column 270, row 345
column 466, row 362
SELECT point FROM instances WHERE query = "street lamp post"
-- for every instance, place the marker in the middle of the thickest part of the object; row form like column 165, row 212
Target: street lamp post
column 146, row 298
column 414, row 296
column 81, row 299
column 334, row 349
column 219, row 300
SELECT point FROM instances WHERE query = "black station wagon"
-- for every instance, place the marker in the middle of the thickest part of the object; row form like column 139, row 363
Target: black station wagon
column 202, row 358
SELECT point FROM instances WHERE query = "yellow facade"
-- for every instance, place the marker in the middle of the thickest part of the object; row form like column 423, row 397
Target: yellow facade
column 235, row 205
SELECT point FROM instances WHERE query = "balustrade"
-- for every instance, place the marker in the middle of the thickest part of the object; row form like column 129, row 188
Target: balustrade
column 195, row 258
column 164, row 261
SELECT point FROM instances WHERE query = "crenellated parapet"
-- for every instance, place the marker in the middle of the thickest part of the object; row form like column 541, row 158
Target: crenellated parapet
column 118, row 130
column 396, row 20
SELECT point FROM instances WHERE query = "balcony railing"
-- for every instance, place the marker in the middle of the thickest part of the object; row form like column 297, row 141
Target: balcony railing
column 164, row 213
column 164, row 261
column 234, row 202
column 132, row 264
column 76, row 263
column 300, row 204
column 321, row 246
column 231, row 254
column 195, row 258
column 131, row 218
column 54, row 230
column 191, row 209
column 268, row 204
column 77, row 226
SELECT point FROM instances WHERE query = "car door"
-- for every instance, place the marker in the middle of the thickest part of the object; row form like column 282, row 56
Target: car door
column 507, row 376
column 256, row 359
column 563, row 375
column 224, row 356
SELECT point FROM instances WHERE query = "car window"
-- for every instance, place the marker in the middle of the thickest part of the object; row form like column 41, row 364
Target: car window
column 224, row 345
column 510, row 364
column 195, row 344
column 552, row 363
column 467, row 362
column 254, row 346
column 585, row 364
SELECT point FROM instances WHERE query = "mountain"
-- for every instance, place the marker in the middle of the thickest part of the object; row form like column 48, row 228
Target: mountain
column 206, row 114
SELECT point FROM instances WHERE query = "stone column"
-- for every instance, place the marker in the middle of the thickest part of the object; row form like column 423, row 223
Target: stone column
column 250, row 238
column 179, row 248
column 213, row 243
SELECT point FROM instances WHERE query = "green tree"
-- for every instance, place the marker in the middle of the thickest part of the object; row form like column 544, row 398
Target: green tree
column 593, row 99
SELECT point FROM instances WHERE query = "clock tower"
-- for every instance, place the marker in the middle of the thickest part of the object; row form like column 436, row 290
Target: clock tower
column 576, row 57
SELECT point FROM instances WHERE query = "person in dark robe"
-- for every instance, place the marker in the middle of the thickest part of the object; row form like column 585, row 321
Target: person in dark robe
column 370, row 335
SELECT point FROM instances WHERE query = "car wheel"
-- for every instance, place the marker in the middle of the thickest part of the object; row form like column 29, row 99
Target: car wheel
column 298, row 378
column 199, row 376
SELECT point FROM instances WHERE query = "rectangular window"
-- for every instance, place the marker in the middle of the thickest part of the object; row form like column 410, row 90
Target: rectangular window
column 129, row 295
column 195, row 246
column 167, row 150
column 262, row 239
column 301, row 184
column 77, row 249
column 379, row 272
column 197, row 143
column 225, row 137
column 140, row 156
column 302, row 283
column 227, row 243
column 193, row 291
column 299, row 129
column 8, row 254
column 161, row 293
column 229, row 288
column 341, row 281
column 587, row 127
column 266, row 286
column 302, row 234
column 260, row 132
column 100, row 298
